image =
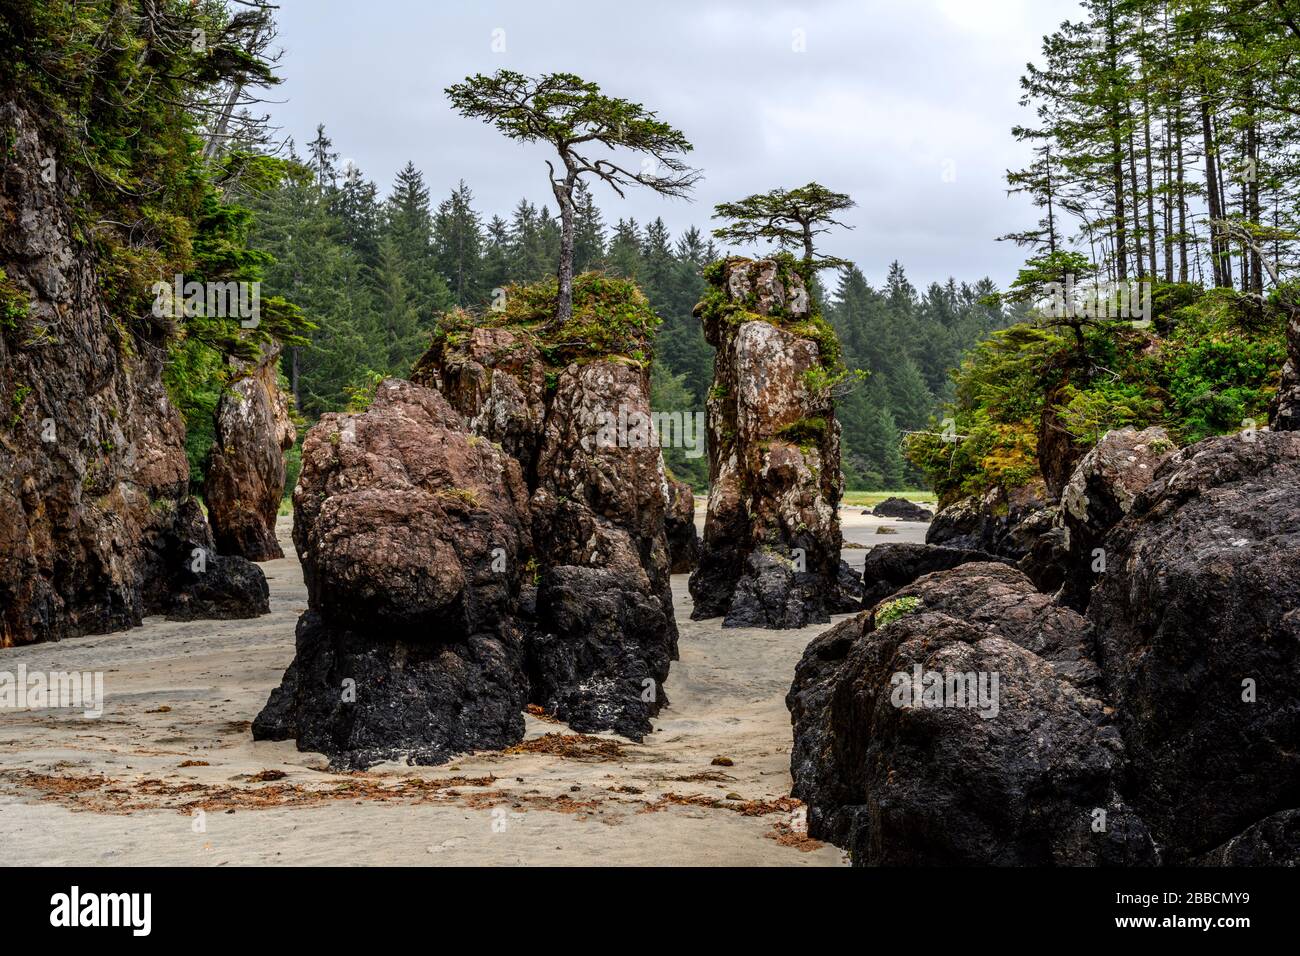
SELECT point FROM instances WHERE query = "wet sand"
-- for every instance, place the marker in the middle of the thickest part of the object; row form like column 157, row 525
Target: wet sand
column 170, row 774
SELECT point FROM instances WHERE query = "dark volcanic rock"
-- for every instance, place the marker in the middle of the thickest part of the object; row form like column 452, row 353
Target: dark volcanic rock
column 1002, row 522
column 889, row 567
column 1099, row 493
column 1198, row 619
column 414, row 538
column 1048, row 558
column 679, row 525
column 1004, row 599
column 598, row 522
column 245, row 478
column 902, row 509
column 364, row 697
column 1019, row 777
column 598, row 656
column 1274, row 841
column 771, row 550
column 94, row 501
column 202, row 583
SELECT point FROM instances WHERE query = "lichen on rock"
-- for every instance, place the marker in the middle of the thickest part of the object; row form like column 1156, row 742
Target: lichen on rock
column 770, row 553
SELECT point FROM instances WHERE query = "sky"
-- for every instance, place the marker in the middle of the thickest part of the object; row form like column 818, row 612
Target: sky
column 907, row 106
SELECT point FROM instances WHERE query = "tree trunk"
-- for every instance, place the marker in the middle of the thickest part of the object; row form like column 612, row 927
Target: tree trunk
column 1182, row 192
column 563, row 190
column 1211, row 190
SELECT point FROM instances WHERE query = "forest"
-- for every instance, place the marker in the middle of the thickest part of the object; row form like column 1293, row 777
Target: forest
column 375, row 272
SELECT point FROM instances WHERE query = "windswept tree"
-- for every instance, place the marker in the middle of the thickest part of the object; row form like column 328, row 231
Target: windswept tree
column 789, row 218
column 575, row 117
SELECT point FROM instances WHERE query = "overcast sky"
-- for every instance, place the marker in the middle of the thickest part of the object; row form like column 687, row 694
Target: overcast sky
column 905, row 105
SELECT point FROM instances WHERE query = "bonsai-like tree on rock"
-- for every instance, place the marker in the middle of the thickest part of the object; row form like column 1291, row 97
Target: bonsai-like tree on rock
column 573, row 116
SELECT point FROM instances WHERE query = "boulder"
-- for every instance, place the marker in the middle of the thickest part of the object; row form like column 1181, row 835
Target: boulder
column 1003, row 598
column 679, row 525
column 1002, row 522
column 902, row 509
column 414, row 537
column 1198, row 621
column 1023, row 771
column 95, row 508
column 1273, row 841
column 771, row 550
column 1100, row 492
column 245, row 478
column 201, row 583
column 889, row 567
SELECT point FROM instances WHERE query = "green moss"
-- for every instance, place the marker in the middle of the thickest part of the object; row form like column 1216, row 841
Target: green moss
column 892, row 610
column 19, row 397
column 717, row 305
column 806, row 431
column 612, row 320
column 14, row 304
column 466, row 496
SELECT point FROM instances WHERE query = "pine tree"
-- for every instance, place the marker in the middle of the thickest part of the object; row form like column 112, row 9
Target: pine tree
column 458, row 240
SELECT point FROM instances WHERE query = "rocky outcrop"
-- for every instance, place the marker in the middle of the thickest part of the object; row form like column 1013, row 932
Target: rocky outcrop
column 679, row 524
column 1198, row 620
column 414, row 537
column 1173, row 708
column 888, row 567
column 770, row 554
column 1284, row 412
column 572, row 406
column 1100, row 492
column 245, row 478
column 508, row 408
column 897, row 767
column 606, row 630
column 194, row 582
column 902, row 509
column 1274, row 841
column 96, row 523
column 1001, row 597
column 1003, row 522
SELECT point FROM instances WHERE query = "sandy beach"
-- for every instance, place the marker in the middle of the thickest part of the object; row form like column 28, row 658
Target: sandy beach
column 170, row 774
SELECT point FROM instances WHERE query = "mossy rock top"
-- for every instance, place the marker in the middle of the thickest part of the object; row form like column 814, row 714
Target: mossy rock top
column 721, row 304
column 612, row 320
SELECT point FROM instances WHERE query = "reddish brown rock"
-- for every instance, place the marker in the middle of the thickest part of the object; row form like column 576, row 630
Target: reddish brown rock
column 507, row 408
column 770, row 554
column 245, row 478
column 96, row 523
column 601, row 631
column 679, row 524
column 415, row 542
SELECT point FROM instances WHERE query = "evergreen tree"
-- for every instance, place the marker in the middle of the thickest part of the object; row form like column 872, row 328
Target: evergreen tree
column 458, row 241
